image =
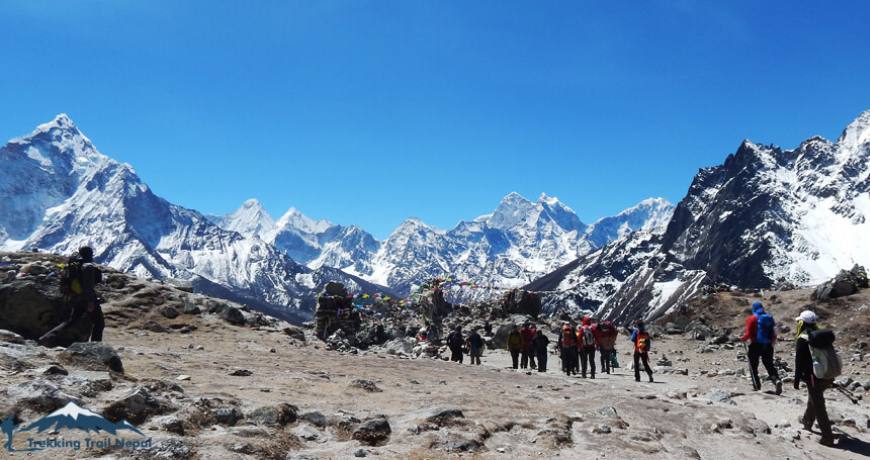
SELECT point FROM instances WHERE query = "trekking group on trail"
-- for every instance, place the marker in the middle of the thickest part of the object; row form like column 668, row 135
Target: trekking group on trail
column 816, row 361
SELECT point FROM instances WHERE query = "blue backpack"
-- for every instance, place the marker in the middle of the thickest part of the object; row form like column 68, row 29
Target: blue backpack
column 765, row 329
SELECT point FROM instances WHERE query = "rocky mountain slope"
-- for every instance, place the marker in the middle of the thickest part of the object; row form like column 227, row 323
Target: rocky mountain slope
column 766, row 217
column 509, row 247
column 57, row 192
column 203, row 379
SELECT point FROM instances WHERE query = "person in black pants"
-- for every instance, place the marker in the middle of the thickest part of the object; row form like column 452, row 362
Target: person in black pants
column 81, row 295
column 642, row 343
column 803, row 372
column 515, row 346
column 539, row 344
column 455, row 342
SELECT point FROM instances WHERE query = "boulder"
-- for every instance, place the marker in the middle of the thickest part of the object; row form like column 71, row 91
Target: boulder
column 93, row 356
column 31, row 309
column 335, row 289
column 274, row 416
column 845, row 283
column 373, row 431
column 169, row 311
column 295, row 333
column 233, row 315
column 136, row 407
column 518, row 301
column 38, row 396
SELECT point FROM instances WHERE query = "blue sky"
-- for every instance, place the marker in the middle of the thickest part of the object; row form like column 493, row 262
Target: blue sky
column 369, row 112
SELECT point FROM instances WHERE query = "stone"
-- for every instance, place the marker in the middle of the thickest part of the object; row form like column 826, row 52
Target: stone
column 366, row 385
column 241, row 373
column 205, row 412
column 522, row 302
column 845, row 283
column 233, row 316
column 295, row 333
column 52, row 370
column 183, row 378
column 10, row 337
column 315, row 418
column 93, row 356
column 360, row 453
column 170, row 448
column 136, row 407
column 39, row 396
column 169, row 311
column 154, row 326
column 31, row 309
column 444, row 416
column 373, row 431
column 274, row 416
column 601, row 429
column 34, row 268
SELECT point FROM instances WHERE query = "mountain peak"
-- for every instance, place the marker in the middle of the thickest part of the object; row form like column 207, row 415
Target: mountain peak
column 294, row 219
column 857, row 133
column 252, row 203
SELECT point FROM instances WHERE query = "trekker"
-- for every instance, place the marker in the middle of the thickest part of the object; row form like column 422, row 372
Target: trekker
column 78, row 285
column 515, row 345
column 525, row 353
column 567, row 346
column 586, row 344
column 475, row 346
column 807, row 323
column 539, row 345
column 761, row 335
column 534, row 333
column 607, row 334
column 642, row 342
column 455, row 342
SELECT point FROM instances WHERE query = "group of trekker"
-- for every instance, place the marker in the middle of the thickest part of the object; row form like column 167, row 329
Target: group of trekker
column 577, row 347
column 816, row 361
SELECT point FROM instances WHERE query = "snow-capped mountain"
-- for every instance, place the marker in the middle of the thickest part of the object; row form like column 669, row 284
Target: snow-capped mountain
column 57, row 192
column 765, row 217
column 516, row 243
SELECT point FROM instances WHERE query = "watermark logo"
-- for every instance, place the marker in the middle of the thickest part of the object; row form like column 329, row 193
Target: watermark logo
column 49, row 432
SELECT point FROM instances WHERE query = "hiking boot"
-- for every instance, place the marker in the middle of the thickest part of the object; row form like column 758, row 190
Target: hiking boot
column 807, row 426
column 593, row 376
column 778, row 387
column 651, row 379
column 827, row 440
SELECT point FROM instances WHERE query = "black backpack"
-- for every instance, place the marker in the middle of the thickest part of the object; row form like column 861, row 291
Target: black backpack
column 71, row 276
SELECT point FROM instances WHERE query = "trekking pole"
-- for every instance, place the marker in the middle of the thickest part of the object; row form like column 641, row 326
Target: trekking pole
column 848, row 394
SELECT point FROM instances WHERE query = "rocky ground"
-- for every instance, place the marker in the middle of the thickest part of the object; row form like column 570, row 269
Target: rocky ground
column 204, row 384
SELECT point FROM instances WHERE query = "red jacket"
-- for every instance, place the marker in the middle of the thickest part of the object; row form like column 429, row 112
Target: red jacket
column 752, row 330
column 528, row 335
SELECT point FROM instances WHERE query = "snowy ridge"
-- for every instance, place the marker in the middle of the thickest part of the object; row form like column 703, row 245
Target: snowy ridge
column 516, row 243
column 57, row 193
column 765, row 217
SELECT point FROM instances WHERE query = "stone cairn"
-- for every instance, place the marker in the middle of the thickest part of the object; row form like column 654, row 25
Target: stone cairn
column 335, row 312
column 433, row 309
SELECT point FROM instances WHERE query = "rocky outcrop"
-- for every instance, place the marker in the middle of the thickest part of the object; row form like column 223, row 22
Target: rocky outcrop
column 31, row 305
column 519, row 301
column 845, row 283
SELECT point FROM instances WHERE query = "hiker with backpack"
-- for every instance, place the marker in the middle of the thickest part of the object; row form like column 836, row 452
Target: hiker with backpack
column 567, row 347
column 527, row 354
column 642, row 344
column 455, row 343
column 539, row 345
column 817, row 365
column 761, row 336
column 79, row 279
column 586, row 344
column 607, row 334
column 475, row 346
column 515, row 346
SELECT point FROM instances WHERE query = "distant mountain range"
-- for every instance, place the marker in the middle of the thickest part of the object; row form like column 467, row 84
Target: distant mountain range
column 766, row 217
